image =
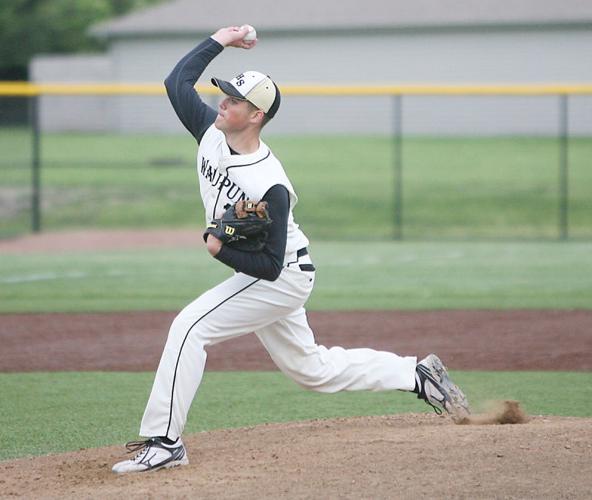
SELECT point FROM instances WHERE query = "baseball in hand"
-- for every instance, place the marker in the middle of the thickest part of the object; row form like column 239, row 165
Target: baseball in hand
column 251, row 35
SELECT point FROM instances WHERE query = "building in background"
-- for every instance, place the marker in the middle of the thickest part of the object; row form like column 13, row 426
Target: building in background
column 346, row 42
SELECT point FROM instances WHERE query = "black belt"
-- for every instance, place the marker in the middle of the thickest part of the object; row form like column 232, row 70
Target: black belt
column 304, row 267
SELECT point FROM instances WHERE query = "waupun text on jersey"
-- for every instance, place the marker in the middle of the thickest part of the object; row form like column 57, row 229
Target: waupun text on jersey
column 221, row 182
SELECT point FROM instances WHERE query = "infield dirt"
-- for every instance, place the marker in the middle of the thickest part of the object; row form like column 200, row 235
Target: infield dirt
column 402, row 456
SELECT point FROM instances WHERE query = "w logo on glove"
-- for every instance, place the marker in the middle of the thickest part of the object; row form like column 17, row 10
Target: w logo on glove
column 243, row 226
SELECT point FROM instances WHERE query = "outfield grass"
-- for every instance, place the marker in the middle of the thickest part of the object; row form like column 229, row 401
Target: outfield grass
column 55, row 412
column 419, row 275
column 452, row 188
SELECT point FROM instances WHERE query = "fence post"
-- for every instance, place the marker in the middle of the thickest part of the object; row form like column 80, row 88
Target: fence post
column 563, row 167
column 35, row 166
column 398, row 165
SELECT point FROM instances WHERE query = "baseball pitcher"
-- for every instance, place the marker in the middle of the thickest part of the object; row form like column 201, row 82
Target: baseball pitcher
column 248, row 201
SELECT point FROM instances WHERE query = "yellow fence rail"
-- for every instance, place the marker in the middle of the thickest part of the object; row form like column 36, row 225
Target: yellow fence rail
column 24, row 89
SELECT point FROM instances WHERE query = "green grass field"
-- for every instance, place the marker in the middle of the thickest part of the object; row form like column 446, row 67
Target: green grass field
column 454, row 188
column 54, row 412
column 418, row 275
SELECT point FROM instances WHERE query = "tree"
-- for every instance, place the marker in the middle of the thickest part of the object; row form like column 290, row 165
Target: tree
column 29, row 27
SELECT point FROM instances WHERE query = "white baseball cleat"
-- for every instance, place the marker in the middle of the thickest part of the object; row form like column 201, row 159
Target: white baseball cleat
column 437, row 390
column 152, row 454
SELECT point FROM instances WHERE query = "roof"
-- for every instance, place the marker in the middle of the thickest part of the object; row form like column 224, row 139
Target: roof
column 195, row 16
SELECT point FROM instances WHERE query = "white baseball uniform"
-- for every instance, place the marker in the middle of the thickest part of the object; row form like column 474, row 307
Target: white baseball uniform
column 273, row 310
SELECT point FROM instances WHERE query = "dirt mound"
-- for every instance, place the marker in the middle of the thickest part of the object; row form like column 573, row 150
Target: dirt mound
column 411, row 456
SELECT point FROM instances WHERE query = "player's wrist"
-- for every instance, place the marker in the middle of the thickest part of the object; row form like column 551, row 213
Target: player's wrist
column 225, row 36
column 214, row 245
column 220, row 40
column 217, row 42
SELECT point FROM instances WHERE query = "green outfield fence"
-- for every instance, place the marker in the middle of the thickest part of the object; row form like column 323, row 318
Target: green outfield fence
column 428, row 187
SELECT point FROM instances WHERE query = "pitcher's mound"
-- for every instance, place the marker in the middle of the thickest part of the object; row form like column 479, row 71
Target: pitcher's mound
column 411, row 456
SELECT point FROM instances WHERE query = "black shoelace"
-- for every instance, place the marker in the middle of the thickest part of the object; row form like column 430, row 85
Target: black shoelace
column 422, row 395
column 133, row 446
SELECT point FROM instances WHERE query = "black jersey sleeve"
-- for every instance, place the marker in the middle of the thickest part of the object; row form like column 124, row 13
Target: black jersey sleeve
column 191, row 110
column 268, row 263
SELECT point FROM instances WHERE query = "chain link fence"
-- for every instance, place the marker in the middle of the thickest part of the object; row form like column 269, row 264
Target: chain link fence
column 421, row 163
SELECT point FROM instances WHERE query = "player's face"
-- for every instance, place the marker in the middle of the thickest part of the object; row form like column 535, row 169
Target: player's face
column 234, row 115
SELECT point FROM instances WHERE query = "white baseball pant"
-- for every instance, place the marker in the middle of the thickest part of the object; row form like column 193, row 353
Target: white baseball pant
column 274, row 311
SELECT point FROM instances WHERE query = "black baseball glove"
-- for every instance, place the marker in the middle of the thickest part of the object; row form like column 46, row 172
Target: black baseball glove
column 243, row 226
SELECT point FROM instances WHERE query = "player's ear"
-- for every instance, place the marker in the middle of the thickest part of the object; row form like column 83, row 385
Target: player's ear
column 257, row 117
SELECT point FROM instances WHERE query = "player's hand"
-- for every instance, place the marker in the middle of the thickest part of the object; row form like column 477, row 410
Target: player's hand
column 213, row 244
column 233, row 37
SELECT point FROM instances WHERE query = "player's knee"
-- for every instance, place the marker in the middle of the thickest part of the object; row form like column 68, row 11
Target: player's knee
column 188, row 330
column 182, row 325
column 179, row 323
